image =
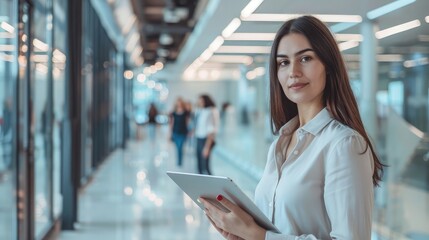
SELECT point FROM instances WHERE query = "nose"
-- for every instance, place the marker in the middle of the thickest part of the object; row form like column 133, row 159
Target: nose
column 295, row 71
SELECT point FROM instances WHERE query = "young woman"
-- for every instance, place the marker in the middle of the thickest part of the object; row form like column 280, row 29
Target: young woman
column 206, row 128
column 179, row 121
column 320, row 172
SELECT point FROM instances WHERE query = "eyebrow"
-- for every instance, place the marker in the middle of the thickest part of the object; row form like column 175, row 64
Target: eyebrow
column 297, row 53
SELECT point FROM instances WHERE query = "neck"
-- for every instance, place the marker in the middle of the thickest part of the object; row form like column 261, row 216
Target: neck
column 306, row 113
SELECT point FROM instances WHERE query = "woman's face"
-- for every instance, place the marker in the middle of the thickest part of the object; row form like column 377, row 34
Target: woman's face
column 200, row 102
column 300, row 72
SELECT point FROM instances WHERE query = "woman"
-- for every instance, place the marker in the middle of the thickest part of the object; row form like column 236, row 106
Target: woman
column 206, row 127
column 179, row 120
column 152, row 115
column 319, row 177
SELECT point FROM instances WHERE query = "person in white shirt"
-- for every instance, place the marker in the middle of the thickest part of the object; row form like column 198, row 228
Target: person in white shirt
column 206, row 128
column 320, row 172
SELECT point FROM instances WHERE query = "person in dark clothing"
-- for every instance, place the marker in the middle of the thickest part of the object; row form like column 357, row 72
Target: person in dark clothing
column 179, row 120
column 6, row 126
column 6, row 133
column 152, row 114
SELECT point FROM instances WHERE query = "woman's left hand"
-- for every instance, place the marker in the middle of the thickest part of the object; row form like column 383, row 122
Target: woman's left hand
column 236, row 224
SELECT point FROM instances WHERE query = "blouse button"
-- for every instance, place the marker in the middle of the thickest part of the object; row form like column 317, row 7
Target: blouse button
column 296, row 152
column 270, row 204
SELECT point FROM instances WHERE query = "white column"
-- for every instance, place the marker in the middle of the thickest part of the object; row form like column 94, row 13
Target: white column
column 369, row 75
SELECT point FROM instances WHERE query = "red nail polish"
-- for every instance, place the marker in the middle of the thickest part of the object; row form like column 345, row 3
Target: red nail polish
column 219, row 197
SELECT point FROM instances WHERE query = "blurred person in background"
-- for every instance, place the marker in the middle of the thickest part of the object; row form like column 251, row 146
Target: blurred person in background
column 152, row 123
column 179, row 121
column 206, row 128
column 6, row 134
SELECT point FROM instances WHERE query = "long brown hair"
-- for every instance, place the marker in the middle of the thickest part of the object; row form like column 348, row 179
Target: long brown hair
column 338, row 96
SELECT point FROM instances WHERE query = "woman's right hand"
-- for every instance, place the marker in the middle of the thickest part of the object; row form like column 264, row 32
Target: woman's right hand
column 225, row 234
column 235, row 224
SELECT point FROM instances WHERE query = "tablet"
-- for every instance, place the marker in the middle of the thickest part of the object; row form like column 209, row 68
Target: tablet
column 208, row 187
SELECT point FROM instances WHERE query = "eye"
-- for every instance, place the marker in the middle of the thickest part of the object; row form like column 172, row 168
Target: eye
column 305, row 59
column 283, row 62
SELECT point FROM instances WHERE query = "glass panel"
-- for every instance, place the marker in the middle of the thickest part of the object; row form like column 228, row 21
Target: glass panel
column 87, row 99
column 41, row 115
column 59, row 63
column 8, row 71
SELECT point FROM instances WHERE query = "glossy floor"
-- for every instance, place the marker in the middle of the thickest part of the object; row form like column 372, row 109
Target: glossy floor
column 131, row 197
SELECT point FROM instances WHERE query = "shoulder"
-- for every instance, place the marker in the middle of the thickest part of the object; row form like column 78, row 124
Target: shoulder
column 345, row 145
column 336, row 133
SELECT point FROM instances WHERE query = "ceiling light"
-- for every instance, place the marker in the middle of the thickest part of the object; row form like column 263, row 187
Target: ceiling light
column 206, row 55
column 251, row 75
column 230, row 29
column 40, row 58
column 427, row 19
column 159, row 66
column 244, row 59
column 250, row 8
column 136, row 53
column 259, row 71
column 132, row 41
column 216, row 43
column 416, row 62
column 7, row 27
column 339, row 18
column 252, row 37
column 284, row 17
column 270, row 37
column 7, row 48
column 59, row 56
column 244, row 49
column 348, row 37
column 397, row 29
column 128, row 25
column 347, row 45
column 6, row 57
column 40, row 45
column 424, row 38
column 379, row 57
column 6, row 35
column 338, row 27
column 388, row 8
column 128, row 74
column 389, row 58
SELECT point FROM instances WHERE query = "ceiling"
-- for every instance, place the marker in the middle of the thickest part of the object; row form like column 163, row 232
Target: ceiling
column 164, row 26
column 207, row 19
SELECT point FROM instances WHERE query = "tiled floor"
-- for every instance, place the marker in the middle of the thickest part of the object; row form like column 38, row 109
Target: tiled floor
column 131, row 197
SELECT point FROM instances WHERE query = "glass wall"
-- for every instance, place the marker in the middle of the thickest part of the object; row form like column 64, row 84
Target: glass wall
column 403, row 121
column 41, row 114
column 102, row 94
column 8, row 112
column 59, row 62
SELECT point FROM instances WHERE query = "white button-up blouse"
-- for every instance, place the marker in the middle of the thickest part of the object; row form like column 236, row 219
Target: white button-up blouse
column 207, row 122
column 324, row 188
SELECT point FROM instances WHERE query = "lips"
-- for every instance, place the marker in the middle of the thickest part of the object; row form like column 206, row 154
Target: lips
column 296, row 86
